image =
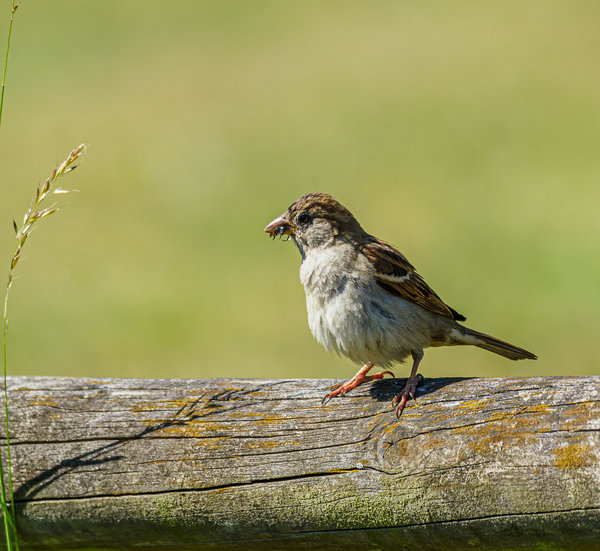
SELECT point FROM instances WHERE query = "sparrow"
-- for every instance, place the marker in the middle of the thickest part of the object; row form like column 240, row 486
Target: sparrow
column 366, row 301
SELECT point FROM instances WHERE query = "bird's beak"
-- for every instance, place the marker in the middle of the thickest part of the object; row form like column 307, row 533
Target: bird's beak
column 280, row 226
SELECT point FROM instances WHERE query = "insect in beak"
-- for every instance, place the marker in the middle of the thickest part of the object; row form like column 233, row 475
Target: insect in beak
column 280, row 227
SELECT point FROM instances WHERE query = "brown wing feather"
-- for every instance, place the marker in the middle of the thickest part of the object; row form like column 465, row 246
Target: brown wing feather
column 398, row 276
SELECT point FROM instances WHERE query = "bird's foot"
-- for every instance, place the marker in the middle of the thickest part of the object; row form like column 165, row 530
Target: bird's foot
column 359, row 378
column 408, row 391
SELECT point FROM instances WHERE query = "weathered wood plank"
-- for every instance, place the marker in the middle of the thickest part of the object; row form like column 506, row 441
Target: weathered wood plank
column 478, row 463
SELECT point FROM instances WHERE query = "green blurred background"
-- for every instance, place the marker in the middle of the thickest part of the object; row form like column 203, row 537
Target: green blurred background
column 465, row 133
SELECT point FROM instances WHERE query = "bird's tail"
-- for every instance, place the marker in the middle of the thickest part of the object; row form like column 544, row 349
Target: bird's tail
column 487, row 342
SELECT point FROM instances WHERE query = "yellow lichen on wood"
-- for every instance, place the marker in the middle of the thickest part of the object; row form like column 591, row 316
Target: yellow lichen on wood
column 574, row 456
column 44, row 402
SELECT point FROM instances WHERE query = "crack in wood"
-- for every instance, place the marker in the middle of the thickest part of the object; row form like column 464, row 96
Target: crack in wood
column 258, row 481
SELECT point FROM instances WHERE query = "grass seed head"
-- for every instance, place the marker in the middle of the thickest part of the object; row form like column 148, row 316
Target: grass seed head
column 34, row 212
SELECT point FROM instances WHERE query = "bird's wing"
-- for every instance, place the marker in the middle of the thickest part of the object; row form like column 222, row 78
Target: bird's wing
column 398, row 277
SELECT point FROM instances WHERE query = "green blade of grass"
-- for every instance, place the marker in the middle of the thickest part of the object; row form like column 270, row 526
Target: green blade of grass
column 12, row 16
column 9, row 516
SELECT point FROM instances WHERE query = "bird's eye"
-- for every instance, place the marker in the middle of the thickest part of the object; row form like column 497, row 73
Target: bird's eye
column 304, row 218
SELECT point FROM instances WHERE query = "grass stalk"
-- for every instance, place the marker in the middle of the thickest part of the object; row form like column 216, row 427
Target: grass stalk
column 33, row 215
column 12, row 17
column 8, row 515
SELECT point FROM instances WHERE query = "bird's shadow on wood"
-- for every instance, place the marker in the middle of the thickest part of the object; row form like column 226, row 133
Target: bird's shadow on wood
column 192, row 409
column 386, row 389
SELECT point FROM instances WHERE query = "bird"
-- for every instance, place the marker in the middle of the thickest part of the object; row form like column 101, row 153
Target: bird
column 366, row 301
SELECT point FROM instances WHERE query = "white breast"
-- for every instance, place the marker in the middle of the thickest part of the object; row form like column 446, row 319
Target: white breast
column 350, row 314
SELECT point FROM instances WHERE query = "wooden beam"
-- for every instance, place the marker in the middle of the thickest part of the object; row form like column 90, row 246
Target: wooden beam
column 219, row 463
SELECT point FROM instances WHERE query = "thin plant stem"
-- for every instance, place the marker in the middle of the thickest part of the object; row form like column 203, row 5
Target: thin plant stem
column 9, row 516
column 12, row 16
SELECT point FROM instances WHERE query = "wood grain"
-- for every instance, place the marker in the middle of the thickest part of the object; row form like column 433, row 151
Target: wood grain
column 219, row 463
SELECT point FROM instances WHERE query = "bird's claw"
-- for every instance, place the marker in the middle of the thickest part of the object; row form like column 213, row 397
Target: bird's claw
column 408, row 391
column 336, row 390
column 361, row 377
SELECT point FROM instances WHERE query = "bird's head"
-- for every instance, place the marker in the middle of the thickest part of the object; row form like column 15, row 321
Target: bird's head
column 316, row 220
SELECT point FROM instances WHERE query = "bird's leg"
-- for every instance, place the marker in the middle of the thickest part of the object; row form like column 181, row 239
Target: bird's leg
column 411, row 385
column 360, row 377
